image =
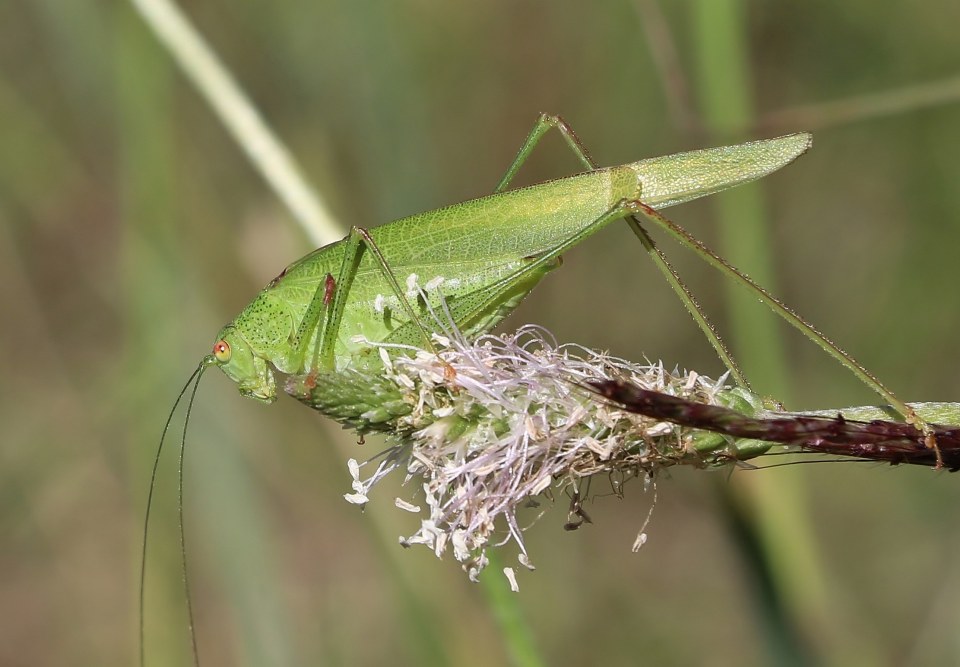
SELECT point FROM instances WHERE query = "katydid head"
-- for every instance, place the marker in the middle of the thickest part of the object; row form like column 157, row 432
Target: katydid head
column 237, row 359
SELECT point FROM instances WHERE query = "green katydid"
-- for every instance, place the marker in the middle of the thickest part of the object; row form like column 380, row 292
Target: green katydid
column 488, row 253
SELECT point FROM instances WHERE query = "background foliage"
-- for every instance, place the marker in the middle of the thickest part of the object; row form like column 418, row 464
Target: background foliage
column 131, row 228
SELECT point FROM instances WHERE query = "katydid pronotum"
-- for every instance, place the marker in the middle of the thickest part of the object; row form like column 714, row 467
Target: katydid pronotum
column 486, row 254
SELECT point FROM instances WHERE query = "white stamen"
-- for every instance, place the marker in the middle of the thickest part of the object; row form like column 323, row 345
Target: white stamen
column 356, row 498
column 405, row 506
column 412, row 286
column 512, row 578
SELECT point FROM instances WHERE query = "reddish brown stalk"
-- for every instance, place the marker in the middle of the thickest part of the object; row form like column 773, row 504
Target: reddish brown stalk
column 878, row 440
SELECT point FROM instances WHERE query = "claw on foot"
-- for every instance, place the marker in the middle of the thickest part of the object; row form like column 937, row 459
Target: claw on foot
column 930, row 440
column 929, row 437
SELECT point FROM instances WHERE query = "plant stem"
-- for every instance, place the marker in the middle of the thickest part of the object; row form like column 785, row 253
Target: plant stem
column 265, row 151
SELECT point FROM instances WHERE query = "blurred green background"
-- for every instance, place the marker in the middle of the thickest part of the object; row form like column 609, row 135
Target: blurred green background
column 132, row 227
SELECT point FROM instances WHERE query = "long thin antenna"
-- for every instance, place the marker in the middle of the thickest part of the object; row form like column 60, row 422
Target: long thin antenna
column 146, row 516
column 183, row 542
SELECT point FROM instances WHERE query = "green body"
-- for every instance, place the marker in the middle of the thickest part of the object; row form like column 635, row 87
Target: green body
column 486, row 254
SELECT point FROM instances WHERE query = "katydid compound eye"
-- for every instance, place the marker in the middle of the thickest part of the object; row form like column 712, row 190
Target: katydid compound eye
column 221, row 350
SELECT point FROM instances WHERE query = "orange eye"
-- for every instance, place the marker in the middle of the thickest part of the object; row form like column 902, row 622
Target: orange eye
column 221, row 350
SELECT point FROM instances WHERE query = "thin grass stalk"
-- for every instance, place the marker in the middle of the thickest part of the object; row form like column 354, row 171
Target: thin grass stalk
column 244, row 122
column 779, row 517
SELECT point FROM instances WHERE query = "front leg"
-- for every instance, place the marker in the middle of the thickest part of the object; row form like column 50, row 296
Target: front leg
column 358, row 242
